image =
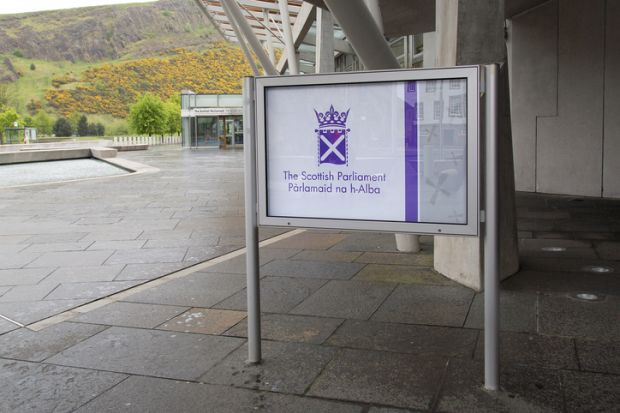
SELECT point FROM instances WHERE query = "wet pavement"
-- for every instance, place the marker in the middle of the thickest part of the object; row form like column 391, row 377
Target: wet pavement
column 349, row 324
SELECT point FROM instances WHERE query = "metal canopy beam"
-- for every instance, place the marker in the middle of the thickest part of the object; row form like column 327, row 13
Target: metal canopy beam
column 362, row 32
column 235, row 14
column 305, row 18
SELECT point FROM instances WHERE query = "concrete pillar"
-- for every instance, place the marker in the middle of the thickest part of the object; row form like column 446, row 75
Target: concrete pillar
column 325, row 62
column 462, row 27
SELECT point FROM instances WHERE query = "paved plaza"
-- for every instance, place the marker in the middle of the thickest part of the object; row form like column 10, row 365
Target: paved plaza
column 150, row 266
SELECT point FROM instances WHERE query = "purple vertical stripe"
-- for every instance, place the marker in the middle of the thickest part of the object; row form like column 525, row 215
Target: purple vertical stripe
column 411, row 152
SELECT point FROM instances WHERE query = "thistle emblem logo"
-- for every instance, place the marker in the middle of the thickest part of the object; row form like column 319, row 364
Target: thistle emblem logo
column 332, row 138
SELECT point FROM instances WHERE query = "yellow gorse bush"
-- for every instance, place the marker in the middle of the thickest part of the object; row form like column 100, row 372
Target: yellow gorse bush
column 111, row 88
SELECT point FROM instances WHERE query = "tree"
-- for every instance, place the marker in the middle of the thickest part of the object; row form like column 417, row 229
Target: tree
column 43, row 123
column 173, row 115
column 8, row 119
column 32, row 66
column 96, row 129
column 148, row 115
column 62, row 127
column 100, row 129
column 82, row 126
column 73, row 119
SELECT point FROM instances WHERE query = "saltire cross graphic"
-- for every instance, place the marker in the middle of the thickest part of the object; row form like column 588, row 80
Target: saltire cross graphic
column 332, row 137
column 337, row 148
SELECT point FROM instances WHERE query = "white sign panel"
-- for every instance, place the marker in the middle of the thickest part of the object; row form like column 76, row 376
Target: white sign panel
column 385, row 150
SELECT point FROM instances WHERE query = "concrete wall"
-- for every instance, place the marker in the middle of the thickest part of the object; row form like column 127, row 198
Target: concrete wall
column 565, row 83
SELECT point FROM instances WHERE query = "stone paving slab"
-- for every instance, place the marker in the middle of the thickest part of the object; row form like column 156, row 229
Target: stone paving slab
column 71, row 259
column 591, row 392
column 561, row 315
column 392, row 379
column 60, row 237
column 147, row 256
column 131, row 315
column 196, row 290
column 23, row 276
column 149, row 352
column 145, row 394
column 27, row 312
column 236, row 265
column 204, row 321
column 404, row 274
column 311, row 269
column 418, row 259
column 112, row 235
column 19, row 260
column 609, row 250
column 518, row 311
column 285, row 368
column 404, row 338
column 426, row 304
column 533, row 350
column 28, row 345
column 205, row 253
column 6, row 326
column 345, row 299
column 367, row 242
column 89, row 291
column 34, row 292
column 322, row 255
column 282, row 327
column 182, row 243
column 35, row 387
column 556, row 282
column 310, row 240
column 14, row 248
column 522, row 390
column 548, row 264
column 148, row 271
column 84, row 274
column 602, row 356
column 58, row 246
column 278, row 294
column 116, row 245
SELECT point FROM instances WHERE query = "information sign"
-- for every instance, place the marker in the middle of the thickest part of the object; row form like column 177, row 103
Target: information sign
column 389, row 150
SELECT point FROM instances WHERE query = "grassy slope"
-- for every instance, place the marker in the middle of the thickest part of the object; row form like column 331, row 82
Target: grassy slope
column 32, row 84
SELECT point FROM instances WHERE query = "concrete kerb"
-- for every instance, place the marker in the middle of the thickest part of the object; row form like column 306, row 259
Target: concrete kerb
column 85, row 308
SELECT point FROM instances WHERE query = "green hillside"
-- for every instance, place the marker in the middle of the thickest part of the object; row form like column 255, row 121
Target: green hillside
column 52, row 54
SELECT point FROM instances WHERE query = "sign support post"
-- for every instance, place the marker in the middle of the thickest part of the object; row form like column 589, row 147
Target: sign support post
column 251, row 225
column 491, row 236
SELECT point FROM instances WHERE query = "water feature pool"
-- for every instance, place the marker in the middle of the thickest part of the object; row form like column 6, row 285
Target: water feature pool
column 55, row 171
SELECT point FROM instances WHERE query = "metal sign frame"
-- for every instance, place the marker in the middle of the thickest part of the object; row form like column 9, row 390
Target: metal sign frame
column 472, row 76
column 490, row 218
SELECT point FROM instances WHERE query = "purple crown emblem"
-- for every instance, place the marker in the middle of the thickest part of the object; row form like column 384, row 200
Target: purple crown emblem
column 332, row 118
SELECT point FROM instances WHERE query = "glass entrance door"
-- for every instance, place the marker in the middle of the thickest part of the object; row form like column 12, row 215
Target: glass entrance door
column 234, row 130
column 206, row 132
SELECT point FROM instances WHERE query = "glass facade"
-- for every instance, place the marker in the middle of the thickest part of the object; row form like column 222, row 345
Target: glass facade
column 211, row 121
